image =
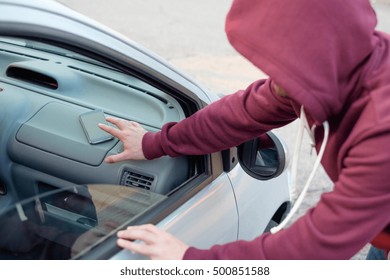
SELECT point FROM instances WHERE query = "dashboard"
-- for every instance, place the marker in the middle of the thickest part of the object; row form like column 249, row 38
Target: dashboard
column 43, row 91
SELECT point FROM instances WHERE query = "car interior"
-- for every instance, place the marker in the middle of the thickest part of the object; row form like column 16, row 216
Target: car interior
column 56, row 191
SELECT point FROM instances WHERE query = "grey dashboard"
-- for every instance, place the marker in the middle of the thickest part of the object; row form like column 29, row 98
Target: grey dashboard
column 43, row 90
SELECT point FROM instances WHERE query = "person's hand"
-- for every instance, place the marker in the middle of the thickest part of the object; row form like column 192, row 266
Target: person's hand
column 130, row 134
column 156, row 243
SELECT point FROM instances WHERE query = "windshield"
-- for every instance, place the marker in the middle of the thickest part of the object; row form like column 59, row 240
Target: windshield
column 49, row 48
column 66, row 223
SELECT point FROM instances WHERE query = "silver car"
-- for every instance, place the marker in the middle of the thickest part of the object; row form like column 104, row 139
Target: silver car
column 59, row 73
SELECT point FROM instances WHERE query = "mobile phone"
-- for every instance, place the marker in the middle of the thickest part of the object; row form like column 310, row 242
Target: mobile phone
column 89, row 121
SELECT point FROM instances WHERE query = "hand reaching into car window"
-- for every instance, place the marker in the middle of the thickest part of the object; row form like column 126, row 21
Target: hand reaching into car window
column 130, row 134
column 155, row 243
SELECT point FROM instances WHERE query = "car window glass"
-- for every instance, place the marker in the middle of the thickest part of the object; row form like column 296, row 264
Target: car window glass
column 64, row 223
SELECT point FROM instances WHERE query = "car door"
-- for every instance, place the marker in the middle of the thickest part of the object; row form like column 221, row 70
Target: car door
column 41, row 152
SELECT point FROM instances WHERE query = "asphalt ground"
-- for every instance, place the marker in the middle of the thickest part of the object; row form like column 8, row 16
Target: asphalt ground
column 190, row 35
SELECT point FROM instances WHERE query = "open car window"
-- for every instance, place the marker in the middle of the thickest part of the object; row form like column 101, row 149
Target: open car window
column 56, row 192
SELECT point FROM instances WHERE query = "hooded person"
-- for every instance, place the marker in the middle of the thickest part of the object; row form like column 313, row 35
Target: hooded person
column 325, row 57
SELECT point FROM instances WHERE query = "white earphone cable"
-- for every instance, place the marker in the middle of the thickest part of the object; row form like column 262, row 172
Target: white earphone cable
column 294, row 168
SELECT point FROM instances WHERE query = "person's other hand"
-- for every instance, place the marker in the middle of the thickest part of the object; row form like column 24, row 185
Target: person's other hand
column 130, row 134
column 156, row 243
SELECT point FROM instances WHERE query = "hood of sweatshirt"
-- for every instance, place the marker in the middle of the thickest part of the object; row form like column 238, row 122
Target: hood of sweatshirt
column 316, row 50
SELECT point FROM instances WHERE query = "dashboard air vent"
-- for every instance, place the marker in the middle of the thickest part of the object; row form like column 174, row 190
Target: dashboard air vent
column 31, row 76
column 133, row 179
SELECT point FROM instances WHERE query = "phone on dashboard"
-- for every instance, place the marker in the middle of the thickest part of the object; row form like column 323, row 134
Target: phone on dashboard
column 89, row 121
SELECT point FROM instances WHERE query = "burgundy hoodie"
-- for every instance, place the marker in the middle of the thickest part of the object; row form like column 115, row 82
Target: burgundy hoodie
column 329, row 58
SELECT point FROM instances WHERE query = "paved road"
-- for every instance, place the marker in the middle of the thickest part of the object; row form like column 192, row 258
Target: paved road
column 190, row 34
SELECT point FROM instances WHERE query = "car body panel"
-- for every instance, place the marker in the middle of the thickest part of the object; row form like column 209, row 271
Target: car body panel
column 255, row 200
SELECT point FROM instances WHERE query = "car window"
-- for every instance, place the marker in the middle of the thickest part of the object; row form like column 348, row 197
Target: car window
column 58, row 198
column 64, row 223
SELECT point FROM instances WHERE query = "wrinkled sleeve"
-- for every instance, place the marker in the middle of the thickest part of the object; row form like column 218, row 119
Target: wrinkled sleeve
column 225, row 123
